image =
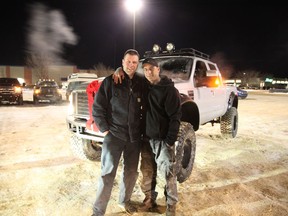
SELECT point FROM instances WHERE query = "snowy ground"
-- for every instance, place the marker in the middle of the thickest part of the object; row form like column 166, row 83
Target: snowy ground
column 244, row 176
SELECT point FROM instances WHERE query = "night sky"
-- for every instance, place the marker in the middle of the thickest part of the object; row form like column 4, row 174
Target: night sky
column 246, row 36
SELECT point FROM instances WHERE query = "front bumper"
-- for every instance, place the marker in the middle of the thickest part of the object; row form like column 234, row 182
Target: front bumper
column 51, row 98
column 78, row 127
column 9, row 98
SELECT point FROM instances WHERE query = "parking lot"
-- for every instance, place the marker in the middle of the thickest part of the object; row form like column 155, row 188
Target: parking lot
column 247, row 175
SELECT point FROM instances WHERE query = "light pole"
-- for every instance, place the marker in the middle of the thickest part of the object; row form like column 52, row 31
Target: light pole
column 133, row 6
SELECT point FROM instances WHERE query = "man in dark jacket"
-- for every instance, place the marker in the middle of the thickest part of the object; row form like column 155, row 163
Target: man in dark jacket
column 117, row 111
column 162, row 126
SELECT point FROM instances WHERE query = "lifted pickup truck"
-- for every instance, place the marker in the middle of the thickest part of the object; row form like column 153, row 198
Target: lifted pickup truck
column 204, row 99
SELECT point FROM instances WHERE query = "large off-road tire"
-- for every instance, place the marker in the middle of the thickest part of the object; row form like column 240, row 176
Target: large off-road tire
column 85, row 149
column 229, row 123
column 185, row 151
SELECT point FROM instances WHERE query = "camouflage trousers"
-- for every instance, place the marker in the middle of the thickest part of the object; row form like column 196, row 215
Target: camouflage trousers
column 158, row 157
column 148, row 168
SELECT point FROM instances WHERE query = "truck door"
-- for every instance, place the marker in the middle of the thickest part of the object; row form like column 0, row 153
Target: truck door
column 219, row 90
column 204, row 95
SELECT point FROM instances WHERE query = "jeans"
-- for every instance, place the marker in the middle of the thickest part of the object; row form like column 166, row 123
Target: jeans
column 112, row 149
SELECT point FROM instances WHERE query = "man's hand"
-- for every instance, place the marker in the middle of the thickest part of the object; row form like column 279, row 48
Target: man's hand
column 118, row 75
column 105, row 133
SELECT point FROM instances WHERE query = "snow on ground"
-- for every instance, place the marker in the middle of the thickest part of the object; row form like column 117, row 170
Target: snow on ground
column 247, row 175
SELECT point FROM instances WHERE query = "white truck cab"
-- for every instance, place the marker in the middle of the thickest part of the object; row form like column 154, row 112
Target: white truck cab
column 204, row 96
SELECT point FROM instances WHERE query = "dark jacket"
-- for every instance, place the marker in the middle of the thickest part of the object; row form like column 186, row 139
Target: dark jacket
column 119, row 108
column 164, row 111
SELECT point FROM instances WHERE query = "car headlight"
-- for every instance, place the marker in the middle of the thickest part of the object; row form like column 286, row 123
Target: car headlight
column 17, row 89
column 70, row 107
column 37, row 91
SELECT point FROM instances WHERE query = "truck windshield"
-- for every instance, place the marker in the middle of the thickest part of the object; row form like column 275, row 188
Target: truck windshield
column 73, row 85
column 48, row 83
column 9, row 81
column 176, row 68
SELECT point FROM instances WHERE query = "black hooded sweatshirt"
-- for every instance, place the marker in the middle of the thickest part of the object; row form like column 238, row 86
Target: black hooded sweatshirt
column 164, row 111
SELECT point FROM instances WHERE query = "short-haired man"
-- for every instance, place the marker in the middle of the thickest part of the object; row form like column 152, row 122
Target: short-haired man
column 117, row 111
column 162, row 125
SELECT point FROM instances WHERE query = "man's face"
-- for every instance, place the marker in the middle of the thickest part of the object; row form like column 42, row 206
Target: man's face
column 151, row 73
column 130, row 63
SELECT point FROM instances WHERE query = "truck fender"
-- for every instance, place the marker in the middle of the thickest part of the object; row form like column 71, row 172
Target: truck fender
column 233, row 101
column 190, row 111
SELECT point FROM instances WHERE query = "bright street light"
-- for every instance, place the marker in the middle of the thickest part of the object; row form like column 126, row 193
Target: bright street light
column 133, row 6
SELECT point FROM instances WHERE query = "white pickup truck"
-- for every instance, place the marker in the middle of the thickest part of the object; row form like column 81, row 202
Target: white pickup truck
column 74, row 79
column 204, row 99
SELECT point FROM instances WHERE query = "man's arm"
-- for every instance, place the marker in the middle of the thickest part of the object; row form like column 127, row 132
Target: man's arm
column 101, row 106
column 118, row 75
column 173, row 110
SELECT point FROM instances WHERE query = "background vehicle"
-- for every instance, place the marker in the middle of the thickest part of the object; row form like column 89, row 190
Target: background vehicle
column 28, row 91
column 242, row 93
column 46, row 91
column 63, row 89
column 10, row 91
column 204, row 99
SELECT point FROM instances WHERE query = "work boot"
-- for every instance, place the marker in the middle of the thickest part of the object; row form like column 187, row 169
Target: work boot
column 148, row 204
column 171, row 210
column 128, row 207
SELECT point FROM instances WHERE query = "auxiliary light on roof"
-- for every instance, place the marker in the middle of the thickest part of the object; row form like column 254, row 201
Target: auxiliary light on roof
column 156, row 48
column 170, row 47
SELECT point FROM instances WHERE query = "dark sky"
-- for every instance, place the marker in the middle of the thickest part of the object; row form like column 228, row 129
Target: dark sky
column 247, row 36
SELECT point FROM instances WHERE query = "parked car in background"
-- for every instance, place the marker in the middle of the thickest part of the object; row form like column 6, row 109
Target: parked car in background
column 242, row 93
column 10, row 91
column 47, row 91
column 28, row 91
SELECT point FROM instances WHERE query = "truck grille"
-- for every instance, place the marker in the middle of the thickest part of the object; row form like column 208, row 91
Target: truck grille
column 6, row 90
column 80, row 104
column 48, row 90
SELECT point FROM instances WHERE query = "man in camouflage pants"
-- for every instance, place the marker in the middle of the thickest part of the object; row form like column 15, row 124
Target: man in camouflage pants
column 162, row 125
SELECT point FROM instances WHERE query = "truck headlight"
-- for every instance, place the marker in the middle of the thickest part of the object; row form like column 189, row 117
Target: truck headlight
column 70, row 107
column 37, row 91
column 17, row 89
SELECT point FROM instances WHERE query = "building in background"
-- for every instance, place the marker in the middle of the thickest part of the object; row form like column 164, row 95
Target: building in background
column 28, row 76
